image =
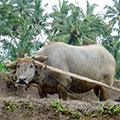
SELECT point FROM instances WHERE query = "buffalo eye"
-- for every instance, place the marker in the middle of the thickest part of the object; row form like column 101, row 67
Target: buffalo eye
column 18, row 66
column 31, row 66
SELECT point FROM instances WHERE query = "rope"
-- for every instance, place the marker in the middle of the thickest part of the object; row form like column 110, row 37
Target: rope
column 57, row 80
column 70, row 92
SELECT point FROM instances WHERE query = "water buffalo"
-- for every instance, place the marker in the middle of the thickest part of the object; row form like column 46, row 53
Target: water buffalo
column 92, row 61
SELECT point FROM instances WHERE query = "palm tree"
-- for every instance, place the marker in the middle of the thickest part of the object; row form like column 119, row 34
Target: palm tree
column 6, row 14
column 96, row 26
column 39, row 19
column 89, row 9
column 113, row 13
column 70, row 24
column 116, row 54
column 24, row 22
column 60, row 27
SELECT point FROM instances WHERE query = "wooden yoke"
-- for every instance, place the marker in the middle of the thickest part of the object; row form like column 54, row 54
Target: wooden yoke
column 77, row 76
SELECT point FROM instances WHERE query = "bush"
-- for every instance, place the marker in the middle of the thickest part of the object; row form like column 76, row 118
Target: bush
column 3, row 68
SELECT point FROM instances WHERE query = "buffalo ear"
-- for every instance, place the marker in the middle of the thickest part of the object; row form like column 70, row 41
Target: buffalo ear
column 41, row 58
column 11, row 65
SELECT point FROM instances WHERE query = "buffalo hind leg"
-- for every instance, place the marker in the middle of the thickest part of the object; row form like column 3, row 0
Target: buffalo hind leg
column 100, row 93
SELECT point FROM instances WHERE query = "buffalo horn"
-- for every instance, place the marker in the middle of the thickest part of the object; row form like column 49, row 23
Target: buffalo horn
column 39, row 64
column 41, row 58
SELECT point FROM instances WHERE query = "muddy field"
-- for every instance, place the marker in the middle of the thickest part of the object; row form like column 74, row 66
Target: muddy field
column 19, row 104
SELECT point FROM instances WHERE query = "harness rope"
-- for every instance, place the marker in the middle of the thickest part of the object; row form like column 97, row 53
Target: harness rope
column 57, row 80
column 68, row 90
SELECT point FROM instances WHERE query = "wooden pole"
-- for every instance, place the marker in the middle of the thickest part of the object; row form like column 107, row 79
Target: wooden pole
column 91, row 81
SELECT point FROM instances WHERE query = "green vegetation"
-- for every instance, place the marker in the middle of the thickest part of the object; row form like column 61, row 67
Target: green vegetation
column 28, row 104
column 112, row 110
column 2, row 69
column 105, row 110
column 61, row 109
column 22, row 21
column 10, row 106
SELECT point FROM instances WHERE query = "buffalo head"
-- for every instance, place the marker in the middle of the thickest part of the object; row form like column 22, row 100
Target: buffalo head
column 25, row 68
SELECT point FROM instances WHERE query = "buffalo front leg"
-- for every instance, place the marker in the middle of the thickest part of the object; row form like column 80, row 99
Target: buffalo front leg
column 62, row 92
column 41, row 93
column 64, row 83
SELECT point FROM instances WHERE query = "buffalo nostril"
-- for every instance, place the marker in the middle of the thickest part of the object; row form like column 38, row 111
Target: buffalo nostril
column 22, row 80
